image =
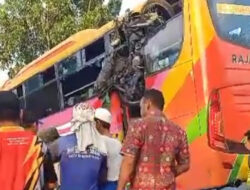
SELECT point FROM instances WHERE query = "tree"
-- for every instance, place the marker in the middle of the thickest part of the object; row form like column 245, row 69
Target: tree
column 114, row 7
column 28, row 28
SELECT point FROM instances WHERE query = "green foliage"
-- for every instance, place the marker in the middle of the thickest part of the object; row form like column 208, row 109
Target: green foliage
column 28, row 28
column 115, row 6
column 96, row 17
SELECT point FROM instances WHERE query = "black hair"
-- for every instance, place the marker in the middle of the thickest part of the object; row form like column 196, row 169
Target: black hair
column 9, row 106
column 156, row 97
column 9, row 115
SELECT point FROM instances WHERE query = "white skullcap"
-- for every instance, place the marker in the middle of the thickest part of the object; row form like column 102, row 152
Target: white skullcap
column 103, row 115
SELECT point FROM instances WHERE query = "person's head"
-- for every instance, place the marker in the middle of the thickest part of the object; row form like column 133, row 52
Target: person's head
column 103, row 120
column 9, row 107
column 152, row 100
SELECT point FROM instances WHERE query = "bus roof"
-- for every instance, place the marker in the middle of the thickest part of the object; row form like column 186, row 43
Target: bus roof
column 60, row 52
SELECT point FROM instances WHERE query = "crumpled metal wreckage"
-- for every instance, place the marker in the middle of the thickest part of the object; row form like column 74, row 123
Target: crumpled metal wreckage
column 123, row 70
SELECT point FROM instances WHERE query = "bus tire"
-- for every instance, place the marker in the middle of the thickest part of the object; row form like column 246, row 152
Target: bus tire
column 162, row 4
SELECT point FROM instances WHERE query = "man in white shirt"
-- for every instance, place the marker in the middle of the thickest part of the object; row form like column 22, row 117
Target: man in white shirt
column 103, row 121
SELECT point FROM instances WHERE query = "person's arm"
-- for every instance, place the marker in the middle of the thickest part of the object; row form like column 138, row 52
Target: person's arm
column 130, row 150
column 50, row 177
column 54, row 150
column 183, row 157
column 236, row 147
column 127, row 169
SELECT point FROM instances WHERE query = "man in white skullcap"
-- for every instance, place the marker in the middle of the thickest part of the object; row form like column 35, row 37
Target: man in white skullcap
column 103, row 121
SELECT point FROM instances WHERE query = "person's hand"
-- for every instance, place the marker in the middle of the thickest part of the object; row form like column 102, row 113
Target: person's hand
column 51, row 185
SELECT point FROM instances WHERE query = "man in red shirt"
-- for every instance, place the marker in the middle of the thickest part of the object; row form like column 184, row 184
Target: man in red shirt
column 24, row 162
column 155, row 149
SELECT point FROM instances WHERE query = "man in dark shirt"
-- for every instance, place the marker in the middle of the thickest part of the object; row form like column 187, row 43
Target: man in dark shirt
column 155, row 149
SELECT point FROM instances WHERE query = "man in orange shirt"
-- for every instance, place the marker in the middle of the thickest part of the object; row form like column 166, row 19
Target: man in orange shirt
column 23, row 160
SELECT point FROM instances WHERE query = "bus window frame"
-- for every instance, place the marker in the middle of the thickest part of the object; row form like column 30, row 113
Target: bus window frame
column 42, row 88
column 148, row 74
column 108, row 51
column 27, row 92
column 89, row 63
column 14, row 90
column 83, row 58
column 43, row 84
column 79, row 89
column 83, row 65
column 104, row 52
column 59, row 86
column 216, row 29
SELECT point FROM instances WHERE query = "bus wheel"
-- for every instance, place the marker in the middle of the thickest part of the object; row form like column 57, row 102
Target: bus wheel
column 161, row 7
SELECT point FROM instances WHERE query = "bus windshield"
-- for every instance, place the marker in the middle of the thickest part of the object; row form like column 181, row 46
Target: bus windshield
column 232, row 20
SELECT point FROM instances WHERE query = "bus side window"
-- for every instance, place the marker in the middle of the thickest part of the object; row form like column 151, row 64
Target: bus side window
column 48, row 75
column 37, row 100
column 163, row 49
column 33, row 84
column 78, row 84
column 71, row 64
column 95, row 49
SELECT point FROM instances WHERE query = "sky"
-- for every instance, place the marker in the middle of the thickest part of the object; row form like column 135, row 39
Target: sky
column 130, row 4
column 3, row 77
column 126, row 4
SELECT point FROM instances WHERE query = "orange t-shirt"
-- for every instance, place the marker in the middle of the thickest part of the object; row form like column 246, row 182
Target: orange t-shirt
column 20, row 158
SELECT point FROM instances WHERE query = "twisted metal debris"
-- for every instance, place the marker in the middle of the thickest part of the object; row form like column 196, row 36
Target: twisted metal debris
column 123, row 70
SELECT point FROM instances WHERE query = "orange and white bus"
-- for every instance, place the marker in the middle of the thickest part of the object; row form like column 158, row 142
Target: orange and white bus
column 200, row 61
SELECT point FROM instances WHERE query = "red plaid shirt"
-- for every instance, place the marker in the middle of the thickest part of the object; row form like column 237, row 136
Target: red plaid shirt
column 158, row 145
